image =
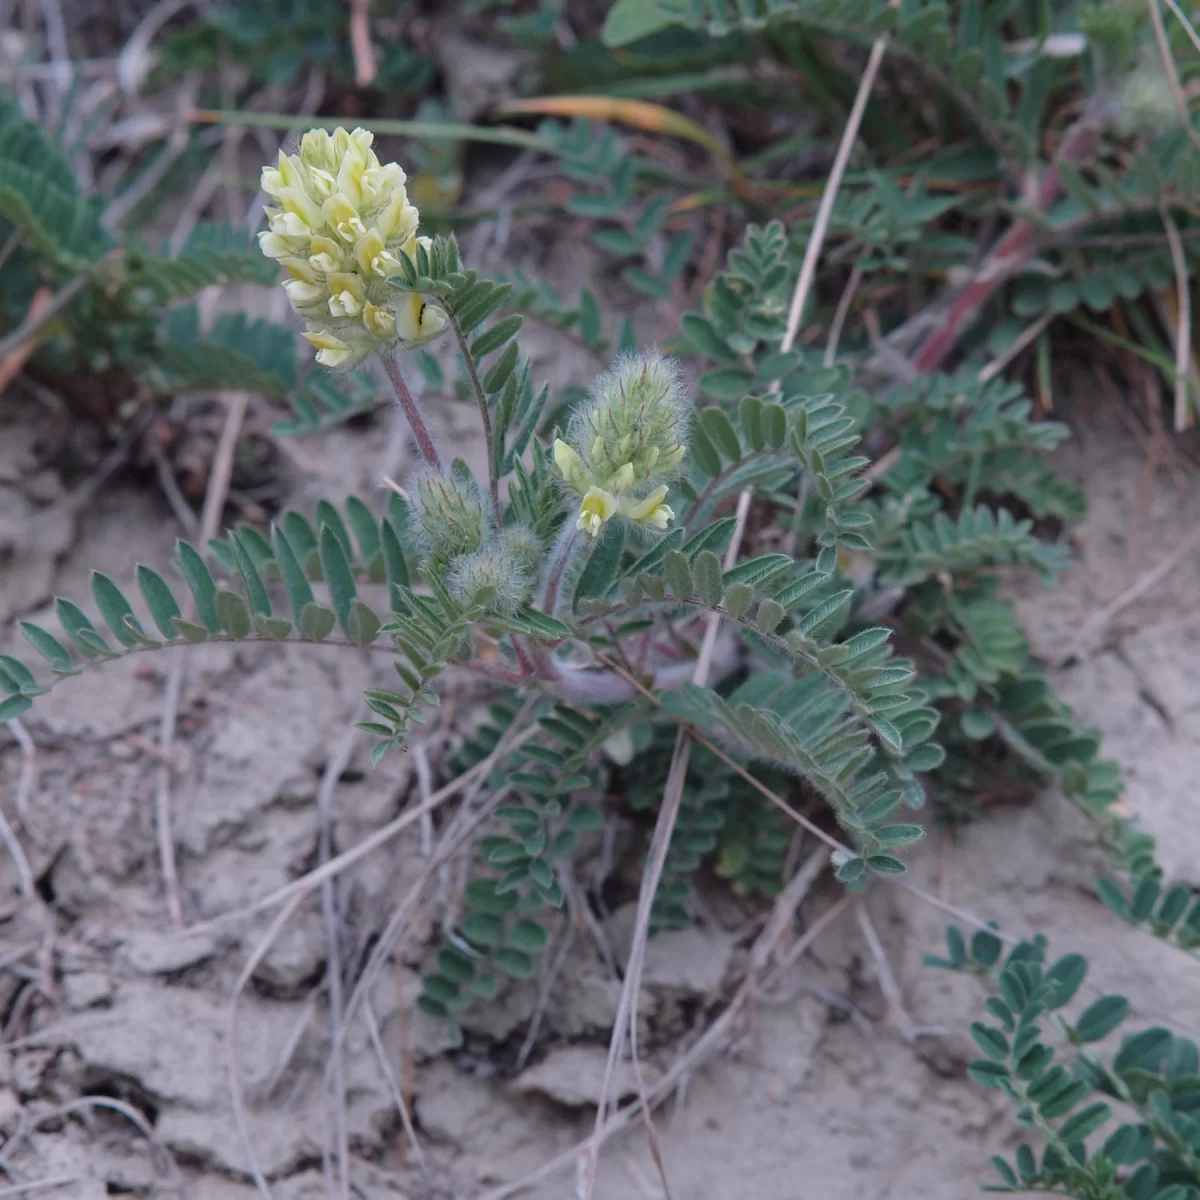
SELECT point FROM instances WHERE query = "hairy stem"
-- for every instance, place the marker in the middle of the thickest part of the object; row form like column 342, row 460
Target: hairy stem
column 412, row 412
column 484, row 415
column 568, row 541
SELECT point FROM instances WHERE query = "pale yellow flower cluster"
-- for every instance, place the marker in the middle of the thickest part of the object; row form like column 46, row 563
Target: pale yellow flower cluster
column 338, row 221
column 601, row 504
column 625, row 442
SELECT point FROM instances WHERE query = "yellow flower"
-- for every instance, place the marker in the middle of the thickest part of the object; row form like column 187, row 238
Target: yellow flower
column 418, row 322
column 346, row 296
column 275, row 246
column 326, row 256
column 379, row 322
column 598, row 506
column 650, row 511
column 398, row 221
column 339, row 212
column 570, row 465
column 331, row 350
column 302, row 294
column 373, row 257
column 338, row 222
column 602, row 503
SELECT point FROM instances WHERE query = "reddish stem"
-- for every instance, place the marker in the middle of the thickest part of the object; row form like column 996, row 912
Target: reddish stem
column 412, row 412
column 1007, row 257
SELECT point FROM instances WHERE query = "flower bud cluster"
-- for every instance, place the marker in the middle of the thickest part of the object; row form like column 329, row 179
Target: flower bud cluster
column 450, row 522
column 1145, row 101
column 626, row 443
column 338, row 221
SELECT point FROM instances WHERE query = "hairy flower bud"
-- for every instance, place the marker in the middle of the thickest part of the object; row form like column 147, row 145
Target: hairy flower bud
column 491, row 578
column 339, row 223
column 1145, row 101
column 525, row 548
column 448, row 514
column 626, row 442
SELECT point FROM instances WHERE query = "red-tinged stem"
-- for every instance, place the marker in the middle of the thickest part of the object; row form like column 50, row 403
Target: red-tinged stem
column 1007, row 257
column 528, row 668
column 412, row 412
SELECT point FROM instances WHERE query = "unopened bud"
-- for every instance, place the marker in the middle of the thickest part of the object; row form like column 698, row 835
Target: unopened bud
column 448, row 514
column 525, row 548
column 490, row 578
column 1146, row 103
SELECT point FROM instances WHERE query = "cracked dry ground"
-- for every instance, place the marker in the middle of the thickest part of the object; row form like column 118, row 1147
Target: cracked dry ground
column 818, row 1097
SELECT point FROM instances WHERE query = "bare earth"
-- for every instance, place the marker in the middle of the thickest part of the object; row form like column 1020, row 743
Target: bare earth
column 820, row 1097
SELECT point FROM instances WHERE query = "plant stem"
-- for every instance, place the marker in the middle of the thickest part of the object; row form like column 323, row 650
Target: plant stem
column 412, row 412
column 484, row 415
column 528, row 668
column 10, row 246
column 812, row 252
column 35, row 322
column 567, row 543
column 1014, row 249
column 434, row 131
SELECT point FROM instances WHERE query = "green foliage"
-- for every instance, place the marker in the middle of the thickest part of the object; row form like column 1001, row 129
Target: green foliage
column 278, row 39
column 237, row 603
column 130, row 317
column 597, row 636
column 629, row 221
column 40, row 197
column 507, row 910
column 724, row 824
column 1064, row 1091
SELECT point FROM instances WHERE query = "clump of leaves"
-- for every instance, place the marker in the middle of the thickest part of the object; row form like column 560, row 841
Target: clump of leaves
column 278, row 40
column 1064, row 1090
column 119, row 311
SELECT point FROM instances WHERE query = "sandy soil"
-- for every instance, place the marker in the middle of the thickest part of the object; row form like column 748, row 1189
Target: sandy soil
column 820, row 1096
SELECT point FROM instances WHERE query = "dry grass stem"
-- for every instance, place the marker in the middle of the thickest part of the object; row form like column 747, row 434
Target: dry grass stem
column 660, row 845
column 711, row 1041
column 816, row 241
column 1183, row 323
column 334, row 769
column 1095, row 625
column 1171, row 71
column 214, row 504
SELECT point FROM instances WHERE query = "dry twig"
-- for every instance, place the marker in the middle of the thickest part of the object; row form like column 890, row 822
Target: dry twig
column 1172, row 73
column 360, row 43
column 214, row 504
column 664, row 827
column 711, row 1041
column 28, row 775
column 334, row 769
column 1096, row 624
column 1183, row 322
column 14, row 362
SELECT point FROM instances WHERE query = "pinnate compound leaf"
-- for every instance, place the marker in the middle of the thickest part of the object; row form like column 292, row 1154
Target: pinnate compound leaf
column 317, row 622
column 256, row 590
column 190, row 631
column 159, row 598
column 14, row 706
column 233, row 614
column 1098, row 1020
column 80, row 630
column 113, row 606
column 49, row 647
column 336, row 565
column 275, row 628
column 201, row 583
